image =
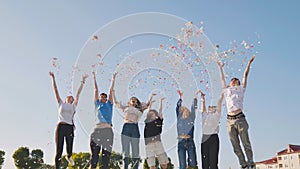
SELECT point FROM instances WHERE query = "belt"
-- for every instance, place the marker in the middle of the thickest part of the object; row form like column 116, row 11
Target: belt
column 184, row 136
column 240, row 115
column 103, row 125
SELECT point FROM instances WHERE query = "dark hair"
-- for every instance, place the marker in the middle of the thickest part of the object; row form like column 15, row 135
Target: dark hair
column 103, row 94
column 234, row 78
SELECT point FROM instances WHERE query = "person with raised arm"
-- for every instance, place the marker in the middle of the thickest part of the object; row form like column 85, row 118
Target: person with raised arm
column 185, row 131
column 130, row 136
column 65, row 126
column 210, row 129
column 237, row 124
column 102, row 136
column 152, row 135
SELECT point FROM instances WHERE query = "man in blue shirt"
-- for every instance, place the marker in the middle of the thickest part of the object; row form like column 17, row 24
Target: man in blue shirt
column 102, row 137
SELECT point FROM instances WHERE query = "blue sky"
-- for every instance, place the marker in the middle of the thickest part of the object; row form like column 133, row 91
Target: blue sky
column 33, row 32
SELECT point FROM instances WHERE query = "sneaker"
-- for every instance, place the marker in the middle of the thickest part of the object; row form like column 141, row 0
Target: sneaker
column 245, row 166
column 70, row 161
column 252, row 166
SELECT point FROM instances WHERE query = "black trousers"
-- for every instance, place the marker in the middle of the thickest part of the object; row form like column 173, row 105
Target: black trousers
column 210, row 151
column 63, row 131
column 101, row 139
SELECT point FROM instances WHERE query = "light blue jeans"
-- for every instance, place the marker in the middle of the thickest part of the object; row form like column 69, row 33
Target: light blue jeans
column 131, row 138
column 238, row 130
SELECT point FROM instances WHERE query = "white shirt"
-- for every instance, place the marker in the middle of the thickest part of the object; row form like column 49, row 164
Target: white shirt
column 210, row 123
column 132, row 114
column 234, row 98
column 66, row 112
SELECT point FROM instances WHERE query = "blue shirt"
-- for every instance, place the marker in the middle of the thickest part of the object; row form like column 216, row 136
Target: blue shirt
column 104, row 111
column 186, row 126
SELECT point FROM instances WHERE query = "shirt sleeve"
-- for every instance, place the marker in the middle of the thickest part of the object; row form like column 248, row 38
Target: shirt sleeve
column 194, row 107
column 178, row 107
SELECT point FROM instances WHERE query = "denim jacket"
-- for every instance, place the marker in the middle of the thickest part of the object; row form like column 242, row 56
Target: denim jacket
column 186, row 126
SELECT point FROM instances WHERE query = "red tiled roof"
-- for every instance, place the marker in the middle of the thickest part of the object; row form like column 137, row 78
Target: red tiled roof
column 269, row 161
column 292, row 148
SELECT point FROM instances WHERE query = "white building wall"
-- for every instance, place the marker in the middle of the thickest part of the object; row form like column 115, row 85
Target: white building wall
column 290, row 161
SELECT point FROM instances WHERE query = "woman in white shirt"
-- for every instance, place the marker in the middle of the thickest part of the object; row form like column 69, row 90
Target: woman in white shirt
column 130, row 133
column 65, row 126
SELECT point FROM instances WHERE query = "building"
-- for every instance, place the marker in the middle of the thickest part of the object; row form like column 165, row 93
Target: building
column 288, row 158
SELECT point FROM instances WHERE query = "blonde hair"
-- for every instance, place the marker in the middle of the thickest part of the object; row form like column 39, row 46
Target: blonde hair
column 184, row 112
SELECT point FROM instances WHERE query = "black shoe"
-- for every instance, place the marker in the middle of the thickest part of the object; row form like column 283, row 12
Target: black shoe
column 244, row 166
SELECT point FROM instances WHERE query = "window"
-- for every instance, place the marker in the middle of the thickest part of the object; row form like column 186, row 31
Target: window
column 280, row 165
column 279, row 158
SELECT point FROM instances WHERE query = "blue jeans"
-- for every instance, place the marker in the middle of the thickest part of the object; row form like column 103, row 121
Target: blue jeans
column 187, row 146
column 131, row 137
column 238, row 130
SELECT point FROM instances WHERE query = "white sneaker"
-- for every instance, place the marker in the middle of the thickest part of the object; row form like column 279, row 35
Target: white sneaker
column 70, row 161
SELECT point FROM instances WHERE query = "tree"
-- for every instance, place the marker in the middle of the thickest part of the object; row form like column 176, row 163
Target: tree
column 170, row 165
column 25, row 160
column 157, row 166
column 145, row 165
column 21, row 158
column 81, row 160
column 2, row 153
column 36, row 160
column 116, row 160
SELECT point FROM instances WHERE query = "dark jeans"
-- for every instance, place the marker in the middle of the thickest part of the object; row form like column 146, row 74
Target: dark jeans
column 131, row 137
column 187, row 146
column 101, row 138
column 63, row 131
column 210, row 151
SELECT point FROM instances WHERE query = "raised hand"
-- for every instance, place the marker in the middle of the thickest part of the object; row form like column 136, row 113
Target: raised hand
column 51, row 74
column 162, row 99
column 114, row 75
column 180, row 93
column 252, row 59
column 220, row 64
column 84, row 77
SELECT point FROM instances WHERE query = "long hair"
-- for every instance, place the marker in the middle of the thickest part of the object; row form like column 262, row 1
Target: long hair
column 148, row 118
column 184, row 112
column 138, row 103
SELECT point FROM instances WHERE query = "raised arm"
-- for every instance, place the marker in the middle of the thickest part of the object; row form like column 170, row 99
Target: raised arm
column 221, row 65
column 111, row 89
column 116, row 103
column 160, row 108
column 58, row 99
column 219, row 108
column 244, row 83
column 179, row 102
column 203, row 107
column 148, row 104
column 80, row 89
column 195, row 102
column 95, row 87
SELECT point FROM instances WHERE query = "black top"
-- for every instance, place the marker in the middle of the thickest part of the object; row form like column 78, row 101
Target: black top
column 153, row 130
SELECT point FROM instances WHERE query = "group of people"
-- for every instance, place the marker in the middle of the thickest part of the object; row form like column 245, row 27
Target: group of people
column 102, row 137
